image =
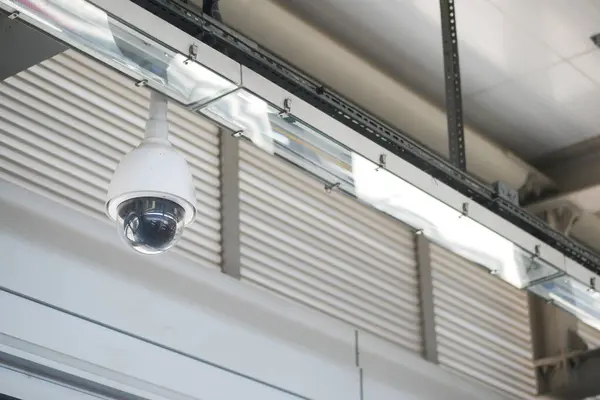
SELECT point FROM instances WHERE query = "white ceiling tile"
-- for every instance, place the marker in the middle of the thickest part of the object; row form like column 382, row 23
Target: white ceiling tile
column 404, row 37
column 492, row 47
column 560, row 84
column 564, row 25
column 589, row 64
column 538, row 113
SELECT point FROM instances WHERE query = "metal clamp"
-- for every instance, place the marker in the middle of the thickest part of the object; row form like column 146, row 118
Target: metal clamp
column 465, row 210
column 192, row 54
column 287, row 108
column 14, row 15
column 142, row 83
column 330, row 186
column 382, row 162
column 238, row 134
column 592, row 288
column 533, row 265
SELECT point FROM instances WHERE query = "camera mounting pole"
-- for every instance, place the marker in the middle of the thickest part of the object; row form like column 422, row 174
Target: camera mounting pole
column 157, row 126
column 454, row 112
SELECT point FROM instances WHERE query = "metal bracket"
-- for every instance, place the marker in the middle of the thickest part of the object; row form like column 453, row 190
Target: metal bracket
column 14, row 15
column 238, row 134
column 465, row 210
column 287, row 108
column 142, row 83
column 506, row 192
column 382, row 162
column 592, row 288
column 454, row 112
column 596, row 39
column 192, row 54
column 330, row 186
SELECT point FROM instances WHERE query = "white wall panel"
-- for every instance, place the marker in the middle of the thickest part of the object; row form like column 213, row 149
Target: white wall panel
column 23, row 385
column 389, row 373
column 94, row 349
column 161, row 328
column 327, row 251
column 79, row 265
column 66, row 123
column 482, row 325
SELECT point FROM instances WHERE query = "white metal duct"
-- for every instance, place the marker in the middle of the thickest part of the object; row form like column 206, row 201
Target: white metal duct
column 329, row 252
column 482, row 325
column 65, row 124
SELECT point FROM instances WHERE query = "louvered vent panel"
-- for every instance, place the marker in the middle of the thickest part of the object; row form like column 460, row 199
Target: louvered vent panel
column 65, row 124
column 589, row 334
column 329, row 252
column 482, row 325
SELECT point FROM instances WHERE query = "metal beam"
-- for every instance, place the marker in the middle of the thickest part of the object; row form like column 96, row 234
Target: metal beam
column 454, row 112
column 230, row 204
column 423, row 249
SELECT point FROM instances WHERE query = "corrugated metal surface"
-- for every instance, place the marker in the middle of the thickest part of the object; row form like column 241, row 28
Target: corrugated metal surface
column 327, row 251
column 64, row 125
column 482, row 325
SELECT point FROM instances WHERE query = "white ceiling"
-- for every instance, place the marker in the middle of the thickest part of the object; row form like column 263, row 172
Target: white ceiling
column 531, row 74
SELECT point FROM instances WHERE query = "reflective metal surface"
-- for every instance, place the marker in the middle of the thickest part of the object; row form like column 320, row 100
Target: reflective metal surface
column 281, row 134
column 89, row 29
column 573, row 296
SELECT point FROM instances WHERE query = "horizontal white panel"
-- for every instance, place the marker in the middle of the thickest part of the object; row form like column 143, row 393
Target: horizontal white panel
column 391, row 373
column 66, row 123
column 482, row 325
column 22, row 385
column 327, row 250
column 107, row 353
column 173, row 302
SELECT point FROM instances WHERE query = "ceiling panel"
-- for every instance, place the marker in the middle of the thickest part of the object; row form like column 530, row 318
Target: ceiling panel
column 564, row 25
column 589, row 64
column 540, row 112
column 403, row 36
column 519, row 88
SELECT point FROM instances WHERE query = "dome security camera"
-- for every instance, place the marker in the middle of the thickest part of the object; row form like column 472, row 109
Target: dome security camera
column 151, row 196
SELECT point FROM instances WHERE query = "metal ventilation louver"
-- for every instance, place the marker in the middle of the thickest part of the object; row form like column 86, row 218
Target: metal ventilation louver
column 65, row 124
column 327, row 250
column 482, row 325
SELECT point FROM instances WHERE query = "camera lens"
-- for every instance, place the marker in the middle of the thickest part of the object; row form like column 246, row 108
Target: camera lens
column 150, row 225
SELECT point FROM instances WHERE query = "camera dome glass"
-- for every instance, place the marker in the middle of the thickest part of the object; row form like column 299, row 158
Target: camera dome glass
column 150, row 225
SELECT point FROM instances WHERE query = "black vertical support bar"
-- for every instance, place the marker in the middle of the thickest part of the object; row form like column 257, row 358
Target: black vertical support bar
column 454, row 112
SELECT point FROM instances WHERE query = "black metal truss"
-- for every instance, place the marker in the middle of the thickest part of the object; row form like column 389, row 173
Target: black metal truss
column 249, row 54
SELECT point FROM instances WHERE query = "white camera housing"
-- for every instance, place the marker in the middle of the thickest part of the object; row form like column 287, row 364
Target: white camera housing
column 152, row 185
